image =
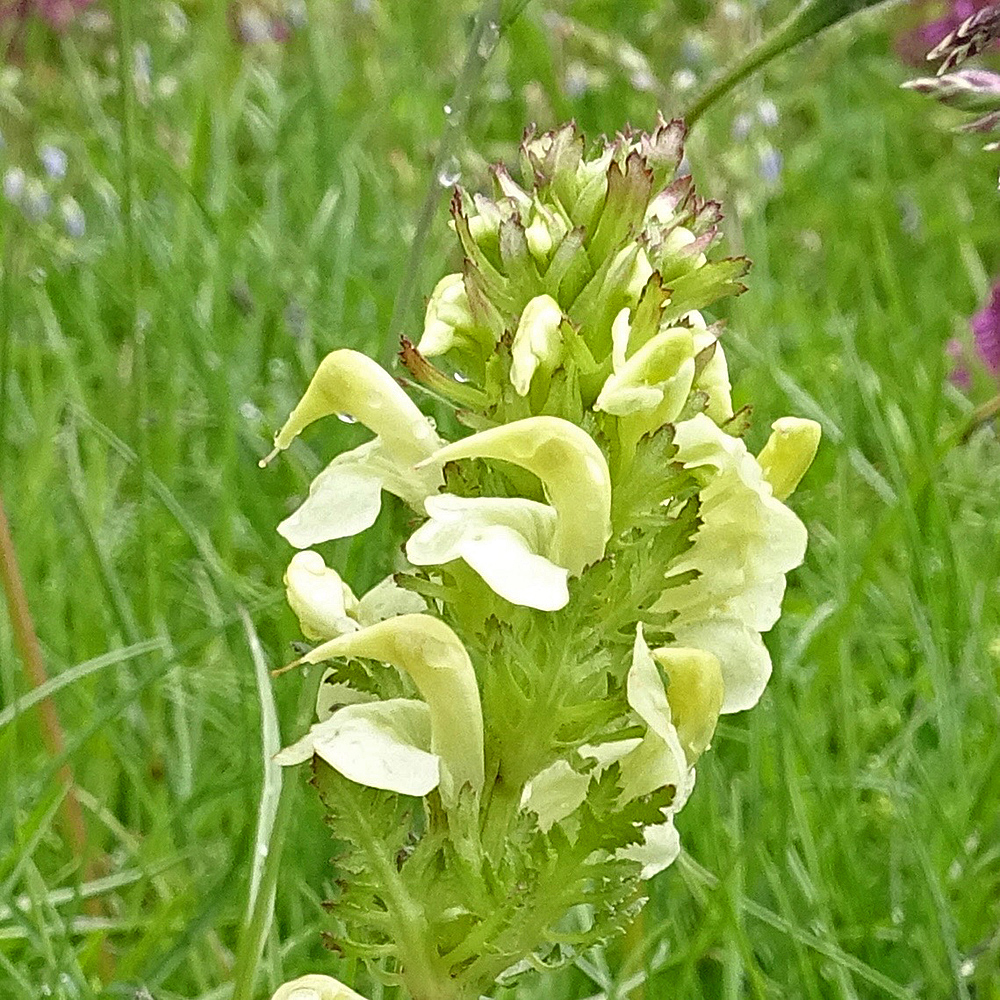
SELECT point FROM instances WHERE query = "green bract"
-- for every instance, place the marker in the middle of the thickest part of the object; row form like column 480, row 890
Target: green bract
column 508, row 731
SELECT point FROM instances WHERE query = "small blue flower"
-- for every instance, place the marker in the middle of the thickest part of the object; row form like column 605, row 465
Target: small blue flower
column 771, row 162
column 54, row 160
column 73, row 218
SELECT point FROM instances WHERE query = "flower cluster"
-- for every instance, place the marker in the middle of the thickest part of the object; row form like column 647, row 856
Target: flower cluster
column 59, row 14
column 508, row 728
column 974, row 90
column 942, row 20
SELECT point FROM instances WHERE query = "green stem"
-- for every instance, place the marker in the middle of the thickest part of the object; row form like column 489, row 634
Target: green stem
column 981, row 415
column 807, row 20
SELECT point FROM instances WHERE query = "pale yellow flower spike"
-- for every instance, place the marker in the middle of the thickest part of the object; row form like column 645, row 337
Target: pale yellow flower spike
column 350, row 383
column 573, row 472
column 431, row 653
column 788, row 453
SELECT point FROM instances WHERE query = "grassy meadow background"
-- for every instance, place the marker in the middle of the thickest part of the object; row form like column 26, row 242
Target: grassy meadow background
column 249, row 207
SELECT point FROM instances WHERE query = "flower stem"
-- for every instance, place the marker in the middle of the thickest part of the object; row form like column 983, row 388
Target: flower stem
column 807, row 20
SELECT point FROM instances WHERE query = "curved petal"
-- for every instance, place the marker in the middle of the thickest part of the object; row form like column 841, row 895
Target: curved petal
column 431, row 653
column 573, row 472
column 655, row 380
column 381, row 744
column 714, row 377
column 319, row 598
column 644, row 689
column 659, row 851
column 743, row 658
column 350, row 383
column 659, row 759
column 502, row 539
column 316, row 987
column 346, row 497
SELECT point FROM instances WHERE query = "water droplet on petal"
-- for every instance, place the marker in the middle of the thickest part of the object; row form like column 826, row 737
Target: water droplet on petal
column 488, row 39
column 450, row 172
column 346, row 418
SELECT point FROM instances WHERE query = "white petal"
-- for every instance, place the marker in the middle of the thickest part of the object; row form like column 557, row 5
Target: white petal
column 714, row 378
column 344, row 499
column 555, row 793
column 644, row 689
column 382, row 744
column 743, row 658
column 660, row 850
column 503, row 559
column 502, row 539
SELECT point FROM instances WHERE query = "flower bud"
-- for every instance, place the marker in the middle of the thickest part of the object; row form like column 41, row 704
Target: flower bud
column 448, row 318
column 537, row 344
column 322, row 602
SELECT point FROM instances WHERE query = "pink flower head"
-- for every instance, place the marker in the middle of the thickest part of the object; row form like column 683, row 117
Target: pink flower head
column 986, row 331
column 58, row 13
column 914, row 45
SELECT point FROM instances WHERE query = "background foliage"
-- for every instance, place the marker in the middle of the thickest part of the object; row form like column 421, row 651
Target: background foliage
column 249, row 205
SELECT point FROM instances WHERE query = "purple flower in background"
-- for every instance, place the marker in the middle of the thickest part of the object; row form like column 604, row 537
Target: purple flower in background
column 58, row 13
column 266, row 21
column 914, row 45
column 959, row 376
column 986, row 331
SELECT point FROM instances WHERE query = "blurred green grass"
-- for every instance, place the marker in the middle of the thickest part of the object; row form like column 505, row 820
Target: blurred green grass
column 249, row 208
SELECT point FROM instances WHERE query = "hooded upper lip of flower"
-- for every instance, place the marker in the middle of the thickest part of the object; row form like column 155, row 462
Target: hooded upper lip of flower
column 523, row 549
column 345, row 497
column 399, row 744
